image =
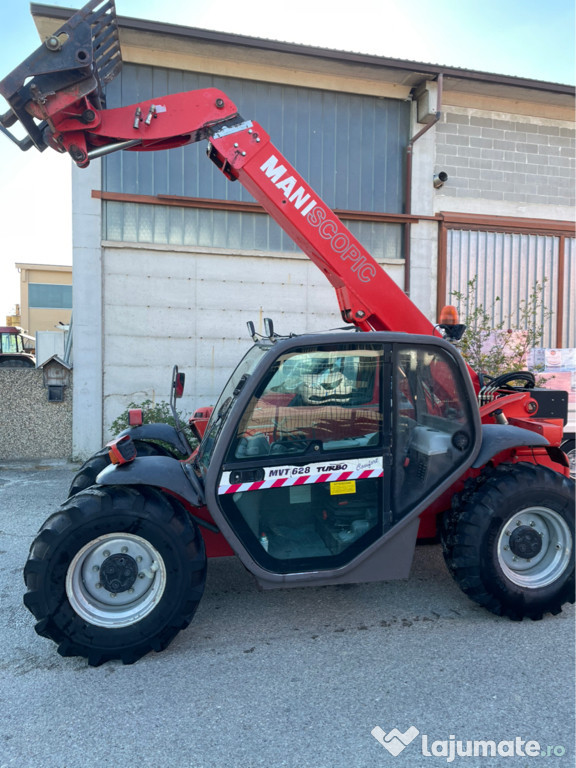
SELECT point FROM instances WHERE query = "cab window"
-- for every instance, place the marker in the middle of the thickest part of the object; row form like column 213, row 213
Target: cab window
column 433, row 431
column 9, row 343
column 323, row 400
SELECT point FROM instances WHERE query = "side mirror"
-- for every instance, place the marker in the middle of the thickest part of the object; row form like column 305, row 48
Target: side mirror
column 251, row 330
column 269, row 328
column 179, row 380
column 176, row 391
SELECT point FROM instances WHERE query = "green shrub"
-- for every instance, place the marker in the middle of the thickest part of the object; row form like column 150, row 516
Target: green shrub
column 152, row 413
column 497, row 348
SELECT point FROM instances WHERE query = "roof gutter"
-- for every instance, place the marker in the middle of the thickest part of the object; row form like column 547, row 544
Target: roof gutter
column 408, row 182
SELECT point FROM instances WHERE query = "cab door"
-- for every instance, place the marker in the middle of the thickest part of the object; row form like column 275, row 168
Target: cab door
column 305, row 482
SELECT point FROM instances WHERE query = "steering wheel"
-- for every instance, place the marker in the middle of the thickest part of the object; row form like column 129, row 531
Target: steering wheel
column 503, row 381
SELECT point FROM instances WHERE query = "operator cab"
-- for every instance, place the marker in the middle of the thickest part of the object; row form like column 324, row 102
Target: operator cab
column 16, row 348
column 322, row 446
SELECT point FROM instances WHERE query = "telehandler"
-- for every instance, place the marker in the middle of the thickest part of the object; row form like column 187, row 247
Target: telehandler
column 326, row 455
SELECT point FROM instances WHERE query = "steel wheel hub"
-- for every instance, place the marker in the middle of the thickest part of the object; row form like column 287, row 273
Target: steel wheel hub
column 525, row 542
column 118, row 573
column 534, row 547
column 115, row 580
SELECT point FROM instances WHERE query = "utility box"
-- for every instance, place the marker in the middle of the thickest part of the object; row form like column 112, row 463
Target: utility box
column 426, row 96
column 56, row 375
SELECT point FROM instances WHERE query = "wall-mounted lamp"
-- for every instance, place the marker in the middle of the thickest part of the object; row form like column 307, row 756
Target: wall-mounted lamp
column 439, row 179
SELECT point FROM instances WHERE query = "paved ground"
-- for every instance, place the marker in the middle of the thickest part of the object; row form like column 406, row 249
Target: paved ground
column 294, row 678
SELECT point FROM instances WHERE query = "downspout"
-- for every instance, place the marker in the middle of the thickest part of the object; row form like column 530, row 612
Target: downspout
column 409, row 152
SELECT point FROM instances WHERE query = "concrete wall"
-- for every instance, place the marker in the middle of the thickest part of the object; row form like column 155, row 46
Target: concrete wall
column 166, row 305
column 31, row 427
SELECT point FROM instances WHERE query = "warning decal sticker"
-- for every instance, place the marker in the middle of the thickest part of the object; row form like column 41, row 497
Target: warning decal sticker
column 306, row 474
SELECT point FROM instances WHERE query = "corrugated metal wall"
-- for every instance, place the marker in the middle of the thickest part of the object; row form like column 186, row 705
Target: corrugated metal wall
column 508, row 266
column 349, row 148
column 569, row 321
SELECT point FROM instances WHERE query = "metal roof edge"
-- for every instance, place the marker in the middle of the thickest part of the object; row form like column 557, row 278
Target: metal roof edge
column 228, row 38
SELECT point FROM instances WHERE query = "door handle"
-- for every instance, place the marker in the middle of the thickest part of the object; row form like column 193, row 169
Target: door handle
column 247, row 475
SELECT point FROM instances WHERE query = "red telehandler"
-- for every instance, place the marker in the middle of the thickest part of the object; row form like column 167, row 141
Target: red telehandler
column 326, row 454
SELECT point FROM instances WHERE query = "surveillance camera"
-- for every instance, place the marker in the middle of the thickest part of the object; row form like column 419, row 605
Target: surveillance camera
column 439, row 179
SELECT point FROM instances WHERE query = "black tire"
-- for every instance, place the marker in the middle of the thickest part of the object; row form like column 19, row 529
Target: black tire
column 89, row 471
column 569, row 448
column 509, row 541
column 134, row 546
column 24, row 363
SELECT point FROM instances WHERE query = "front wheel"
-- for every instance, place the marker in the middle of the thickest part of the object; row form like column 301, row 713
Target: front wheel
column 509, row 541
column 115, row 573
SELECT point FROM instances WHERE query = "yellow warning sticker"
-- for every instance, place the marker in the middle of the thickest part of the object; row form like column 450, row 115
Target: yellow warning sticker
column 345, row 486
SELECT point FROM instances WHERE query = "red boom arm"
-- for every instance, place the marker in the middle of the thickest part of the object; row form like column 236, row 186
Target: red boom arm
column 367, row 296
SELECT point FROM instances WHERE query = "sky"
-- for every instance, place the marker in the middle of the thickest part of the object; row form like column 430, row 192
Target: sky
column 526, row 38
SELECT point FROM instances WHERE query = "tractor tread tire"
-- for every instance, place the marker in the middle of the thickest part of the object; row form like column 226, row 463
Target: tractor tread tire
column 470, row 531
column 114, row 509
column 89, row 471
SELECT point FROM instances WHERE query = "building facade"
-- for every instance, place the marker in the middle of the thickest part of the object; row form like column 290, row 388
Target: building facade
column 45, row 296
column 444, row 175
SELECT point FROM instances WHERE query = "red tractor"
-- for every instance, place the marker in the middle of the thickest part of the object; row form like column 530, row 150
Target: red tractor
column 327, row 455
column 14, row 352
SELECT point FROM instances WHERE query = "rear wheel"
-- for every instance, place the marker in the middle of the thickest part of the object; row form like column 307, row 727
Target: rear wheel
column 89, row 471
column 115, row 573
column 509, row 541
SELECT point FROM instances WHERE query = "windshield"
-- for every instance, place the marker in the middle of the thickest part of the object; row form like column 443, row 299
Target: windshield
column 226, row 401
column 10, row 343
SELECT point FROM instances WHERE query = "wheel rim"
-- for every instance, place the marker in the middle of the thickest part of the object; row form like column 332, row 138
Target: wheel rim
column 535, row 547
column 572, row 462
column 115, row 580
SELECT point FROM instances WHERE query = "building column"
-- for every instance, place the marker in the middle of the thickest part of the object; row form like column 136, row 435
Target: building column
column 87, row 311
column 424, row 234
